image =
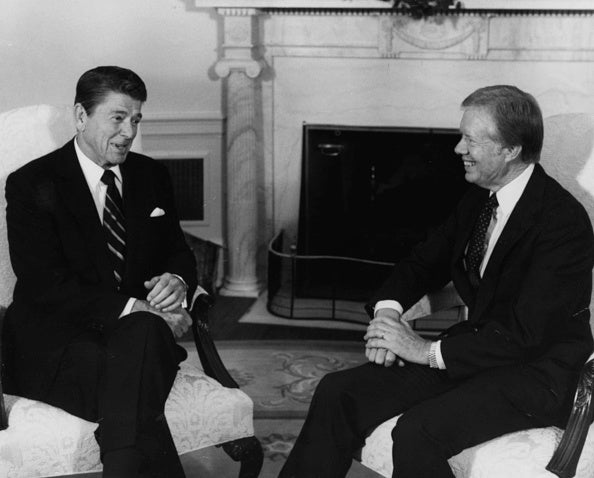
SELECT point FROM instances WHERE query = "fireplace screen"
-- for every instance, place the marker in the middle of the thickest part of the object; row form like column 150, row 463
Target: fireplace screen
column 368, row 195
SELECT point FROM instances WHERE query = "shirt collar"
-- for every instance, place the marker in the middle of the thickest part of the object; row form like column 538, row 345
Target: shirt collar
column 92, row 170
column 509, row 195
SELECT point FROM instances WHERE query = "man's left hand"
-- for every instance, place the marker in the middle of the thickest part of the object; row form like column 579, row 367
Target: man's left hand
column 166, row 292
column 398, row 336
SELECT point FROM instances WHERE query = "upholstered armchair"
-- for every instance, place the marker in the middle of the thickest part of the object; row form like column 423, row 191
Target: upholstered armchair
column 205, row 406
column 568, row 155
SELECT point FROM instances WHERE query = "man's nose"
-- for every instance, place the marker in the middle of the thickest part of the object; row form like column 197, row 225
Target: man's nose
column 128, row 130
column 461, row 147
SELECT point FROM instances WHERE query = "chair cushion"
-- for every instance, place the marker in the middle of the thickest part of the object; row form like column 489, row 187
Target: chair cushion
column 42, row 440
column 525, row 453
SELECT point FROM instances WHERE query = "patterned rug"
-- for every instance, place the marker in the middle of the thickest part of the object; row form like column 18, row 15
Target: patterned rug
column 280, row 377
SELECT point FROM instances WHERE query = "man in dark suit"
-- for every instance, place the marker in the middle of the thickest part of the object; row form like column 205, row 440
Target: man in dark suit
column 520, row 251
column 103, row 273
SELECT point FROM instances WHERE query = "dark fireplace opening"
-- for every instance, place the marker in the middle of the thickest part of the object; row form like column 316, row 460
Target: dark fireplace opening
column 368, row 196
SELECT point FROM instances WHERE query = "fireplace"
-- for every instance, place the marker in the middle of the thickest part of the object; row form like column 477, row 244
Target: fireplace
column 357, row 62
column 374, row 192
column 368, row 196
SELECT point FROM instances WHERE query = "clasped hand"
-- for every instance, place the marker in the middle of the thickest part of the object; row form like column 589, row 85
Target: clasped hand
column 166, row 292
column 390, row 340
column 178, row 320
column 165, row 297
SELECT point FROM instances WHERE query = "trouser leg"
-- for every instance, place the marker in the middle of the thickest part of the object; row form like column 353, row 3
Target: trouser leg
column 122, row 380
column 478, row 410
column 347, row 405
column 141, row 362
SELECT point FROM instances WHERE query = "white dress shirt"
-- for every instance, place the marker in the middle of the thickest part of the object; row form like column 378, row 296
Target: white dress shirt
column 93, row 172
column 507, row 197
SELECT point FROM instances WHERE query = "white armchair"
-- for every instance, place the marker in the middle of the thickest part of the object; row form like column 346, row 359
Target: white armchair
column 205, row 406
column 568, row 155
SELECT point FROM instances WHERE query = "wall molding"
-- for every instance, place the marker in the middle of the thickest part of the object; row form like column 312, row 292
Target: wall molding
column 514, row 5
column 183, row 123
column 485, row 36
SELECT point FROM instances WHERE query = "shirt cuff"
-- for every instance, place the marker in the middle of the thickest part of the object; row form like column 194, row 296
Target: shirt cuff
column 128, row 307
column 435, row 357
column 388, row 304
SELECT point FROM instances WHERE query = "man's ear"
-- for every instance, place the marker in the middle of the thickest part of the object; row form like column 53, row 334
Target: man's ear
column 512, row 152
column 80, row 116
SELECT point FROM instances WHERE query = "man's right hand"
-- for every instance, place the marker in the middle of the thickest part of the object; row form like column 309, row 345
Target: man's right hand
column 178, row 320
column 383, row 356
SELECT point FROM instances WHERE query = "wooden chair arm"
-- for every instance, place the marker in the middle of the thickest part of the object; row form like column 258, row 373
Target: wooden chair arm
column 209, row 356
column 565, row 459
column 3, row 414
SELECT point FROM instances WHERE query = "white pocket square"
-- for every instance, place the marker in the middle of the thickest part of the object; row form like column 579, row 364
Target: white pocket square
column 157, row 212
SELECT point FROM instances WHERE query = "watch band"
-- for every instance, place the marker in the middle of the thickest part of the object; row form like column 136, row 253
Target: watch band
column 433, row 355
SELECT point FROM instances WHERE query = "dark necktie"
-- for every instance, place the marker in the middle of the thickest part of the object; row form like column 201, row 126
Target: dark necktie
column 114, row 224
column 476, row 245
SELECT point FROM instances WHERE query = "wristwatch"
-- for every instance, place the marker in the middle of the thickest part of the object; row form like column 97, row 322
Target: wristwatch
column 433, row 355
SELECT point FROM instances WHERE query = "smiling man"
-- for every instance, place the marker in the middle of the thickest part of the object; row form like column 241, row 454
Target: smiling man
column 102, row 273
column 520, row 251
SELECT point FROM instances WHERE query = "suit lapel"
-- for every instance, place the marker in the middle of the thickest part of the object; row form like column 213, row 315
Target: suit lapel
column 521, row 219
column 77, row 199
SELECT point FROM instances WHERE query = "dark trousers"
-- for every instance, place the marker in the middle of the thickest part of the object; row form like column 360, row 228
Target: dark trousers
column 441, row 417
column 121, row 379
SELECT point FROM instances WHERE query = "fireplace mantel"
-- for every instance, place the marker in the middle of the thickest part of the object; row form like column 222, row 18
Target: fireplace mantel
column 553, row 5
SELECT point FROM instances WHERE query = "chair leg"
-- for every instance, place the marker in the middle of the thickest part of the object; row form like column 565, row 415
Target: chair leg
column 249, row 452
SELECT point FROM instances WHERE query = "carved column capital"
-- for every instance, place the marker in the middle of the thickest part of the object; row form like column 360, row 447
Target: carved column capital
column 239, row 39
column 252, row 68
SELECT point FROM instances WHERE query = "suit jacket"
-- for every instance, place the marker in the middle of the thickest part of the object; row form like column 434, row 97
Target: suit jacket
column 531, row 308
column 65, row 283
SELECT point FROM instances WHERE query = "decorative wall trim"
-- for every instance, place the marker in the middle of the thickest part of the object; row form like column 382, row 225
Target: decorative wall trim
column 171, row 123
column 454, row 13
column 515, row 5
column 500, row 37
column 435, row 34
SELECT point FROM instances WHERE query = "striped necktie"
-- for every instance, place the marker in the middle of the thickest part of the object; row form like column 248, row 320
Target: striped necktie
column 476, row 245
column 114, row 224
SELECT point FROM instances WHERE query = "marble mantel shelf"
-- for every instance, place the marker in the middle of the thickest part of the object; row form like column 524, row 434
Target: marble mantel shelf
column 375, row 4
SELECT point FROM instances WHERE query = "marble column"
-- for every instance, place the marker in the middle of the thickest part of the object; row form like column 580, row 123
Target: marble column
column 241, row 71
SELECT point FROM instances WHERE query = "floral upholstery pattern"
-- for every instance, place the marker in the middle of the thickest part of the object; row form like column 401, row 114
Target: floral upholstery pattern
column 42, row 440
column 525, row 453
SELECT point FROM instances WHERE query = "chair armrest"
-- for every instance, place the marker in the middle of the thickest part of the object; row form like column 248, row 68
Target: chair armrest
column 3, row 414
column 565, row 459
column 209, row 356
